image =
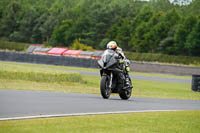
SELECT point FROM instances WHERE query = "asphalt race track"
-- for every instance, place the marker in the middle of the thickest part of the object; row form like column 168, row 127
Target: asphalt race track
column 19, row 104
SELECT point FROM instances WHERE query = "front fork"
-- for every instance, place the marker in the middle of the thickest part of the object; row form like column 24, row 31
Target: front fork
column 111, row 78
column 103, row 73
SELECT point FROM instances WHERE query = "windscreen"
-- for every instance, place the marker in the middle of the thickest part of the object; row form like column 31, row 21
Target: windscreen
column 108, row 58
column 107, row 55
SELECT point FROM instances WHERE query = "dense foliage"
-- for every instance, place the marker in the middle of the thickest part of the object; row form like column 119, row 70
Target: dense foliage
column 157, row 26
column 16, row 46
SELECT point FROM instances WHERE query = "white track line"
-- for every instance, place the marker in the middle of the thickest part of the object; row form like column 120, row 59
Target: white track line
column 81, row 114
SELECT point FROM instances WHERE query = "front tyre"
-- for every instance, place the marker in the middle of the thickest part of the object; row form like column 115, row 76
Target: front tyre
column 104, row 87
column 125, row 94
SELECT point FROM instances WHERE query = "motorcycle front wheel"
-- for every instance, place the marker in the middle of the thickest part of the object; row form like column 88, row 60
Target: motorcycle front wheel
column 104, row 87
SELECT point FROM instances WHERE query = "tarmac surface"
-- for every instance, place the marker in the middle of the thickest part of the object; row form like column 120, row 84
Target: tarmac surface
column 20, row 104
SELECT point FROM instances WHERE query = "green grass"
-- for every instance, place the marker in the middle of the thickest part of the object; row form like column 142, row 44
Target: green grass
column 45, row 86
column 164, row 90
column 154, row 122
column 54, row 78
column 41, row 76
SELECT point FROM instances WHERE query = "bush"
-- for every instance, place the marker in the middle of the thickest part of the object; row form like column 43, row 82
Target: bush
column 149, row 57
column 13, row 46
column 77, row 45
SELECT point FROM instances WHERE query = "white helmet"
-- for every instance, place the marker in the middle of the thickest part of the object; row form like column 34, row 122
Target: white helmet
column 112, row 45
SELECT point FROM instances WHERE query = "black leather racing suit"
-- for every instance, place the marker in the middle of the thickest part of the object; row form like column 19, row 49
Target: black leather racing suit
column 126, row 65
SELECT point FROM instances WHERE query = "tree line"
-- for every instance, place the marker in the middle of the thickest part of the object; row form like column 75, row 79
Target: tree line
column 157, row 26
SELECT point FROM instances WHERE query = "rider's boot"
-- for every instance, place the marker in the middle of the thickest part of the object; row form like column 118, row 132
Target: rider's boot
column 128, row 83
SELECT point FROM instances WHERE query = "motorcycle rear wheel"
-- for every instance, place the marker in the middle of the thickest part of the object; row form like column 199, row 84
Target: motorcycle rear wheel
column 125, row 94
column 104, row 87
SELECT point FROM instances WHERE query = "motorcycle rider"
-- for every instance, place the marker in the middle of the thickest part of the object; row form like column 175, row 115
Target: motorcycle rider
column 112, row 45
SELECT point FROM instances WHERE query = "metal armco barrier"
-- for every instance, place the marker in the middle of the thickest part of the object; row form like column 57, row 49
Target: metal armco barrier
column 196, row 83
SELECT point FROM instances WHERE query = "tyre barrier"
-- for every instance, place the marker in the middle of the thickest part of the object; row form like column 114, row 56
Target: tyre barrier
column 196, row 83
column 47, row 59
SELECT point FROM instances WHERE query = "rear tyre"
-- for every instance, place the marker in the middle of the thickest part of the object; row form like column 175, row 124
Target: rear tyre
column 125, row 94
column 104, row 87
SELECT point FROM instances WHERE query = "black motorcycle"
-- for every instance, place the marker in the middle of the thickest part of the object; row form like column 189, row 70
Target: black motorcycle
column 113, row 76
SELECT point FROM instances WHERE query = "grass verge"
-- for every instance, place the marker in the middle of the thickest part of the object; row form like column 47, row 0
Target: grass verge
column 154, row 122
column 41, row 76
column 49, row 86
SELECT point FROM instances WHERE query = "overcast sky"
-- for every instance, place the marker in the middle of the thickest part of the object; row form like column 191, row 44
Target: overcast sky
column 179, row 2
